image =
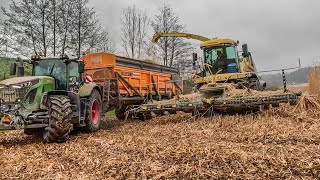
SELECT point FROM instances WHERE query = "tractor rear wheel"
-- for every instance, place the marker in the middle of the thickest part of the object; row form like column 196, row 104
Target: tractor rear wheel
column 94, row 112
column 60, row 113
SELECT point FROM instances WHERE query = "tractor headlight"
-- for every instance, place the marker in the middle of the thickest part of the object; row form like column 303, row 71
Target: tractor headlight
column 17, row 106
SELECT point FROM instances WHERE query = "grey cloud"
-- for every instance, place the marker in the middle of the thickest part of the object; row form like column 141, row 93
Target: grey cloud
column 278, row 32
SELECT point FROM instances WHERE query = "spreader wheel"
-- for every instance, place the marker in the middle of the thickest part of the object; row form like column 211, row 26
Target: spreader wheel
column 94, row 112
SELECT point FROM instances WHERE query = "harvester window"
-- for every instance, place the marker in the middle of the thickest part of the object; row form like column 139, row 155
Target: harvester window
column 220, row 57
column 231, row 54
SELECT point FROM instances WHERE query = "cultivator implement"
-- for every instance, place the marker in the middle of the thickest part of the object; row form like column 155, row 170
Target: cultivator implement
column 208, row 106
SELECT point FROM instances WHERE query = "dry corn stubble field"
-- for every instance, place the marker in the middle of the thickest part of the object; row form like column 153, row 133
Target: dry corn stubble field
column 274, row 144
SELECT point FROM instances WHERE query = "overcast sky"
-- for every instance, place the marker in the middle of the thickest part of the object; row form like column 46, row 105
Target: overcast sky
column 278, row 32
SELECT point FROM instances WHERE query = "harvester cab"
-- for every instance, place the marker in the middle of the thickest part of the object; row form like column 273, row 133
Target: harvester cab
column 221, row 56
column 222, row 62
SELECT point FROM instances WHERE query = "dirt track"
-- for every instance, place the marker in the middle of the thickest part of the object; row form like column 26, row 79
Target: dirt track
column 254, row 147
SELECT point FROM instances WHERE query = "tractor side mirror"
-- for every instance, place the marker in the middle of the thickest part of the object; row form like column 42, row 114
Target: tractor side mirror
column 194, row 59
column 20, row 67
column 20, row 71
column 81, row 67
column 13, row 69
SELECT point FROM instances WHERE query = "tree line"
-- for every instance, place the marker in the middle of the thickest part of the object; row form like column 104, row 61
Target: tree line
column 55, row 27
column 52, row 27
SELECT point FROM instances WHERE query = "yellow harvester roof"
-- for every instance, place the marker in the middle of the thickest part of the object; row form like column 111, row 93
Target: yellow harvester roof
column 217, row 42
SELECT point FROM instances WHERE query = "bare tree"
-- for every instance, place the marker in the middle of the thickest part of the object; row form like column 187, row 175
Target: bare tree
column 52, row 26
column 64, row 9
column 3, row 40
column 26, row 24
column 102, row 42
column 174, row 51
column 134, row 28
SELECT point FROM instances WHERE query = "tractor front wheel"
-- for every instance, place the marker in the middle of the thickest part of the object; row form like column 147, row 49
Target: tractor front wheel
column 60, row 113
column 94, row 112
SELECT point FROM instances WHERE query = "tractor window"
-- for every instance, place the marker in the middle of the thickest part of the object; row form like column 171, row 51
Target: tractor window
column 74, row 72
column 53, row 68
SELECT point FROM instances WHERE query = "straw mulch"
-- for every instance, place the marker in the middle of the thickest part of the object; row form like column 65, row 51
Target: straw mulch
column 180, row 98
column 314, row 80
column 273, row 144
column 276, row 144
column 230, row 92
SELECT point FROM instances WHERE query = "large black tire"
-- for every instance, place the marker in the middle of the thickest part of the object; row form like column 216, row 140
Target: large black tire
column 94, row 112
column 60, row 126
column 120, row 113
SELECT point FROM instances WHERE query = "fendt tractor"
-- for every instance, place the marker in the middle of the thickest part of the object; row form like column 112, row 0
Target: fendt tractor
column 65, row 93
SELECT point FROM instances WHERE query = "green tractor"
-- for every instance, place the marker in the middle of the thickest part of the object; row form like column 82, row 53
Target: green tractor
column 52, row 101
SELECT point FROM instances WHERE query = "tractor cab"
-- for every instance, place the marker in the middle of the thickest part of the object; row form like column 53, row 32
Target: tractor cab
column 64, row 70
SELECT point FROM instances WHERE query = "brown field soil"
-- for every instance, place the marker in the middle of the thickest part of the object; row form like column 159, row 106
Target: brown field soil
column 268, row 145
column 282, row 143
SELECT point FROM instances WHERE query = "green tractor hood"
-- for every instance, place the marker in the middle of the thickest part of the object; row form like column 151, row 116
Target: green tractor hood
column 25, row 90
column 21, row 80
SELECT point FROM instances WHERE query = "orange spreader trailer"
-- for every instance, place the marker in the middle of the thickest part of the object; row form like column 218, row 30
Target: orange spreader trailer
column 133, row 78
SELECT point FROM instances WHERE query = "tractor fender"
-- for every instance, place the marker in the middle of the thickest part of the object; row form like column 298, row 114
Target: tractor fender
column 74, row 98
column 87, row 88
